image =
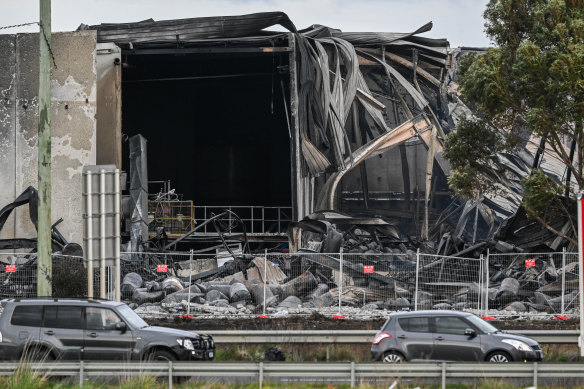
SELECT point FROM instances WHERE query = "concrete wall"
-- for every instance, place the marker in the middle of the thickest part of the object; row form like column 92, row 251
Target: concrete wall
column 73, row 91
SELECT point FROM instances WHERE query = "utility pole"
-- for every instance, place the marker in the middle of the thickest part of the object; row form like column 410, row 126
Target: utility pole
column 44, row 260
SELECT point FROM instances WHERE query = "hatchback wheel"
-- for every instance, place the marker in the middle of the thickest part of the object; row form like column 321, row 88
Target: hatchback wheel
column 393, row 357
column 499, row 357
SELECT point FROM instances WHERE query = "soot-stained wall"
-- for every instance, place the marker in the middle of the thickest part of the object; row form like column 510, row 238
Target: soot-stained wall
column 221, row 138
column 73, row 126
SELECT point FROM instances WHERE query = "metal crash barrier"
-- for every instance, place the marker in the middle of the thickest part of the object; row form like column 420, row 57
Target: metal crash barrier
column 350, row 372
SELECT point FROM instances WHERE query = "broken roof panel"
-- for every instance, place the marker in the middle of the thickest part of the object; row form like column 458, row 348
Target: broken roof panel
column 190, row 30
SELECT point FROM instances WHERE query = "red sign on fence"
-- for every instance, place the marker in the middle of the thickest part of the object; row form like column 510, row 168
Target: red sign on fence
column 10, row 268
column 530, row 263
column 161, row 268
column 368, row 269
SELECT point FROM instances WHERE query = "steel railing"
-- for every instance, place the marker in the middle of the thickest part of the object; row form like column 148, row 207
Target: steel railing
column 358, row 336
column 257, row 219
column 303, row 372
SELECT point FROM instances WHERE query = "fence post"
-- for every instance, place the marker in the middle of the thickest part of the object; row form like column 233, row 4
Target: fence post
column 487, row 285
column 535, row 375
column 190, row 281
column 443, row 375
column 480, row 304
column 352, row 374
column 563, row 278
column 81, row 373
column 89, row 249
column 169, row 374
column 261, row 375
column 265, row 276
column 417, row 276
column 102, row 243
column 117, row 237
column 340, row 279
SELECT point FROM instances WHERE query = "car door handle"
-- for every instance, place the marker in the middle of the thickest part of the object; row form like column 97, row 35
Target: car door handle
column 402, row 336
column 50, row 332
column 92, row 335
column 439, row 338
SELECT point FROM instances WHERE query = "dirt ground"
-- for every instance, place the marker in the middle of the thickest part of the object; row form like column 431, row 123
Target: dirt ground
column 319, row 322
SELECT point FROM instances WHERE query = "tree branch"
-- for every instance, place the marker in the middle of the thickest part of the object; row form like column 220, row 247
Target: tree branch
column 565, row 158
column 550, row 228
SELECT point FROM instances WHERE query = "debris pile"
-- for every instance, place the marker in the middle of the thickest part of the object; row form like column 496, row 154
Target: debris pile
column 309, row 281
column 534, row 289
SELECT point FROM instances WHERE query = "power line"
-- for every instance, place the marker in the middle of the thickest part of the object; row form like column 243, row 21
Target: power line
column 48, row 44
column 44, row 36
column 19, row 25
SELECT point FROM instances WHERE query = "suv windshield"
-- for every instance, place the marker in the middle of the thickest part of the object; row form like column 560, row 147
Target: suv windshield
column 131, row 317
column 481, row 324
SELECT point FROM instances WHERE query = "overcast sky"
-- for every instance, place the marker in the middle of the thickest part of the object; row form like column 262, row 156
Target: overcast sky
column 459, row 21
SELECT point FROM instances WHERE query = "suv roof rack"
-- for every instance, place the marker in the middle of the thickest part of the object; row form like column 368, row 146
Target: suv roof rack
column 56, row 299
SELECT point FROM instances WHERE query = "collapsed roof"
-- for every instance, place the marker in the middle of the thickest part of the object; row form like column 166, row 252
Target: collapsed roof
column 359, row 95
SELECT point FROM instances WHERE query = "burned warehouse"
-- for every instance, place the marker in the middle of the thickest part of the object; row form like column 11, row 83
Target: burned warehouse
column 237, row 116
column 242, row 136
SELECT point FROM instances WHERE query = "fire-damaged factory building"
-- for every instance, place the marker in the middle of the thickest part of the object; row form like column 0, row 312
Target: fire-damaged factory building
column 276, row 125
column 246, row 134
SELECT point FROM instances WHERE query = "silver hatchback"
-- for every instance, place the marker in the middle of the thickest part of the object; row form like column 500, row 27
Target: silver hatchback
column 448, row 336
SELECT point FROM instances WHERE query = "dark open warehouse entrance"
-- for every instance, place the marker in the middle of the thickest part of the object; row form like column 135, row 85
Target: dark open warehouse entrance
column 215, row 123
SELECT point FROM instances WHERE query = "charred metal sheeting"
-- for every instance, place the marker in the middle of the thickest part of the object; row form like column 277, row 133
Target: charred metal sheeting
column 327, row 231
column 348, row 267
column 189, row 30
column 30, row 197
column 138, row 192
column 273, row 273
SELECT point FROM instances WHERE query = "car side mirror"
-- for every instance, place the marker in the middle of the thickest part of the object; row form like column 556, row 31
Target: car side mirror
column 121, row 326
column 470, row 332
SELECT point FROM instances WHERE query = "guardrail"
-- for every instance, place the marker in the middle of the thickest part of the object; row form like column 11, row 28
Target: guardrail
column 302, row 372
column 360, row 336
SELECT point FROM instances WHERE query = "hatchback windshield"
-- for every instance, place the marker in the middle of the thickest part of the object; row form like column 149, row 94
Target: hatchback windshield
column 131, row 316
column 481, row 324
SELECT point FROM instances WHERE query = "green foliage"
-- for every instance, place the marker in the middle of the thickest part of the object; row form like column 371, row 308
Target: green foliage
column 540, row 193
column 533, row 80
column 472, row 151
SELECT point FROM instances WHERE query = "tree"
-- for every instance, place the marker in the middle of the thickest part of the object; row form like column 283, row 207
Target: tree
column 531, row 82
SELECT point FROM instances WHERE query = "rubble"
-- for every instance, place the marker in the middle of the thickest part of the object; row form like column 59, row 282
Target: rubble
column 309, row 280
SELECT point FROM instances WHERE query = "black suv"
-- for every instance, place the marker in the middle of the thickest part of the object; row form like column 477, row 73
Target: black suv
column 82, row 329
column 448, row 336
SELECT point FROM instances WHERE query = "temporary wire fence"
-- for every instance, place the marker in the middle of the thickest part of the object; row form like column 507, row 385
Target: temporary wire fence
column 534, row 282
column 449, row 282
column 18, row 275
column 307, row 282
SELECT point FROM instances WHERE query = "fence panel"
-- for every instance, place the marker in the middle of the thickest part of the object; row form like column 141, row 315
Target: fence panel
column 450, row 283
column 534, row 283
column 18, row 275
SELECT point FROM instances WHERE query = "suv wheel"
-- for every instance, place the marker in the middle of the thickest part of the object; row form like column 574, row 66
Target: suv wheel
column 37, row 354
column 161, row 355
column 393, row 357
column 499, row 357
